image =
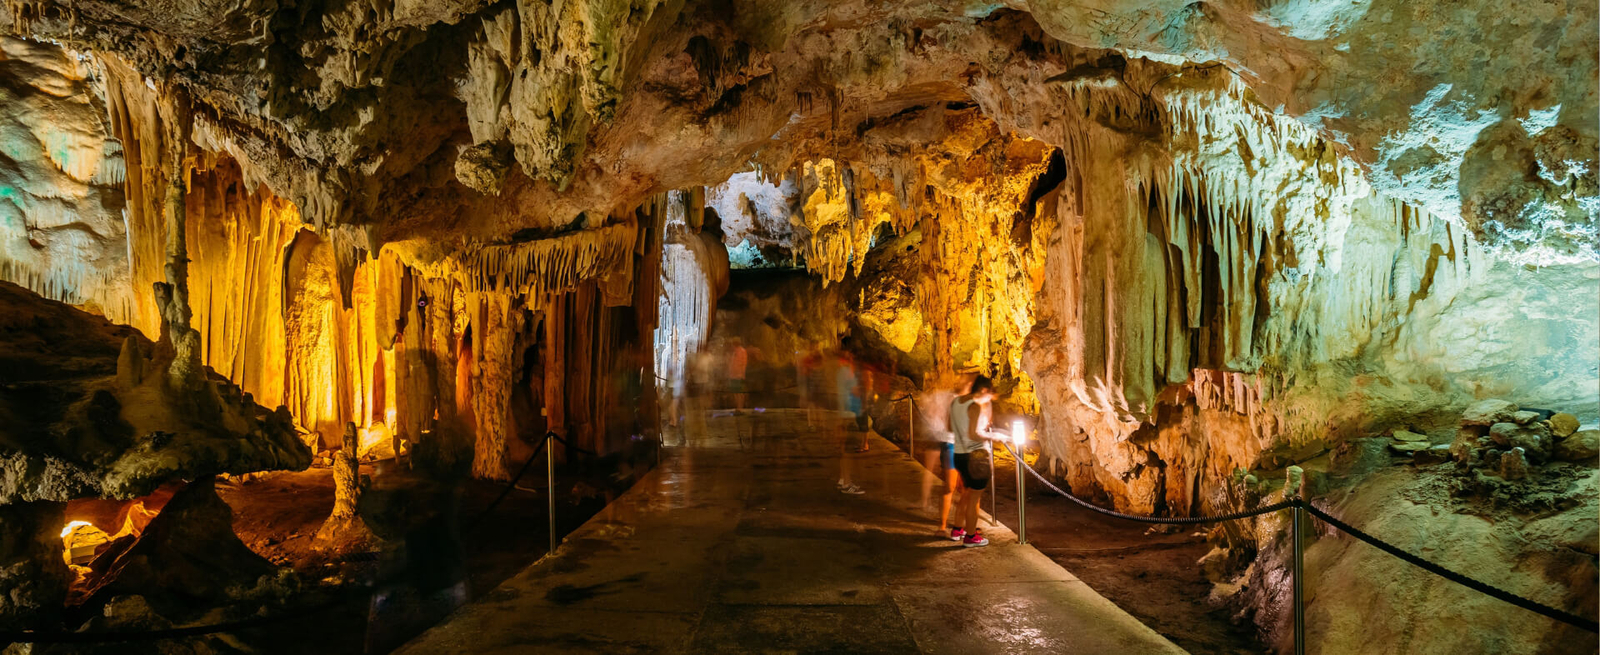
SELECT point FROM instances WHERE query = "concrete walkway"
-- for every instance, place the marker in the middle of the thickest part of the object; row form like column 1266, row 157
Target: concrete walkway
column 745, row 546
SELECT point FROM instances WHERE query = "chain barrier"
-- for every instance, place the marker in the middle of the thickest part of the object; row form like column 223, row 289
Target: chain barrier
column 1187, row 520
column 1476, row 585
column 28, row 637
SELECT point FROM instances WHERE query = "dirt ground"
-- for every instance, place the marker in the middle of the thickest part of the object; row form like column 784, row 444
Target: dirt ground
column 1152, row 576
column 278, row 515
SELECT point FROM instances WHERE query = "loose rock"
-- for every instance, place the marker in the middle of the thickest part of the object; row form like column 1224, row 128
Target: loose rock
column 1563, row 424
column 1524, row 417
column 1433, row 455
column 1409, row 446
column 1463, row 447
column 1580, row 446
column 1514, row 464
column 1491, row 459
column 1533, row 438
column 1488, row 412
column 1407, row 435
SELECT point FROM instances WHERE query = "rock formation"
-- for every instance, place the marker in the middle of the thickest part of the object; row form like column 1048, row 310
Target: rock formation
column 1203, row 242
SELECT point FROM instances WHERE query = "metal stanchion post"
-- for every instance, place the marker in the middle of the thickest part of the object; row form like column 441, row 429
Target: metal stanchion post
column 1299, row 578
column 1019, row 436
column 550, row 477
column 911, row 426
column 1022, row 504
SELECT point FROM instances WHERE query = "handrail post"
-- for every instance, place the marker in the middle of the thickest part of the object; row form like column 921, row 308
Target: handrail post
column 1022, row 499
column 550, row 477
column 1299, row 581
column 911, row 427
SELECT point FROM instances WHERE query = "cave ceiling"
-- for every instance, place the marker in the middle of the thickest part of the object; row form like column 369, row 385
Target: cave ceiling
column 479, row 121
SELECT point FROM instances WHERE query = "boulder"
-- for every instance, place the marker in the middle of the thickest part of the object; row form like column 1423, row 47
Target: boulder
column 1580, row 446
column 1533, row 438
column 1488, row 412
column 1514, row 464
column 1524, row 417
column 1562, row 424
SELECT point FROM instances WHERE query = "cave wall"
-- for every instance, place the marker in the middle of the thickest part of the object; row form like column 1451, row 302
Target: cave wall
column 61, row 226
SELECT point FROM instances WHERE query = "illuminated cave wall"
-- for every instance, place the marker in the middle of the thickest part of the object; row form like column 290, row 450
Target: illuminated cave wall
column 1200, row 262
column 61, row 222
column 416, row 339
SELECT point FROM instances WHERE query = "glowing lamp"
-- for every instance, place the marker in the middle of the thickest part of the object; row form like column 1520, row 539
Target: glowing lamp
column 1019, row 434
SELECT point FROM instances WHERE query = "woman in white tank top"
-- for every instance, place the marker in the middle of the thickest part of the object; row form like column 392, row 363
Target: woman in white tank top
column 969, row 423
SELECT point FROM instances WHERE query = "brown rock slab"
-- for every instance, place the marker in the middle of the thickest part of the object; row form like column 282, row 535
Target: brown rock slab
column 1488, row 412
column 1580, row 446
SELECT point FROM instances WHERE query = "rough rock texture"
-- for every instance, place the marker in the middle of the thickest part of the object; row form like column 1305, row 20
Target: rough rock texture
column 1581, row 446
column 61, row 227
column 1547, row 554
column 1201, row 238
column 71, row 430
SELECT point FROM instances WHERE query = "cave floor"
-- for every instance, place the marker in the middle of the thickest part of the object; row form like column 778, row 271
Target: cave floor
column 740, row 542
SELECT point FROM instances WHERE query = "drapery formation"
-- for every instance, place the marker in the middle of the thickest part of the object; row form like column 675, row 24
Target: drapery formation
column 408, row 344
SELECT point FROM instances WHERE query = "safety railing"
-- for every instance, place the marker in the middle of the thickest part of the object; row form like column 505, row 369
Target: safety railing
column 1300, row 507
column 41, row 637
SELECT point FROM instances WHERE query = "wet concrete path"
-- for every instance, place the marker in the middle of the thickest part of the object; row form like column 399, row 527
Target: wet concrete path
column 741, row 543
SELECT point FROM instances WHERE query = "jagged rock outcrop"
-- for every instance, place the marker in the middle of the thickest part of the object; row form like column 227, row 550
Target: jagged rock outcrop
column 71, row 430
column 83, row 415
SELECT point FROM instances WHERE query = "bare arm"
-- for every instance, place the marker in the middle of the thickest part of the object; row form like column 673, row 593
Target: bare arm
column 978, row 425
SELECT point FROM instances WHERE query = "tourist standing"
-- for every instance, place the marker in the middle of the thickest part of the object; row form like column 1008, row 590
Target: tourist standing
column 970, row 415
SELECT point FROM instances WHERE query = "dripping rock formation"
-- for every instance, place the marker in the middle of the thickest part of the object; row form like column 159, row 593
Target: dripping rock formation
column 1215, row 253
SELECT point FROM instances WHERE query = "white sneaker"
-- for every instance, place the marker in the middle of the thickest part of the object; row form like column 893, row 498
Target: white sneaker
column 852, row 490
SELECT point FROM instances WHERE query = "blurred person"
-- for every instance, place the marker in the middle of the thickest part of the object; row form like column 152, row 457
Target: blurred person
column 848, row 387
column 738, row 365
column 969, row 421
column 942, row 456
column 811, row 381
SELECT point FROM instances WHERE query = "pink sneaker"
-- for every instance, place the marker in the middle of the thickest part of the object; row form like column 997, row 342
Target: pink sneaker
column 956, row 534
column 974, row 540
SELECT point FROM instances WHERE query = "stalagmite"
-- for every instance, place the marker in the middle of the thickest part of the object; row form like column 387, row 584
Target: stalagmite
column 345, row 528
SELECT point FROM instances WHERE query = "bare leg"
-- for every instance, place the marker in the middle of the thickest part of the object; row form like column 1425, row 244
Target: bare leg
column 845, row 462
column 969, row 509
column 952, row 482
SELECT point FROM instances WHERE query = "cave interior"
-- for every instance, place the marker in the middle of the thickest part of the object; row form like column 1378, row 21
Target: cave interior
column 291, row 294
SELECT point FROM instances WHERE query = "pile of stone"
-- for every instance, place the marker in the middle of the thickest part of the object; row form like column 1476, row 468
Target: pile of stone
column 1500, row 438
column 1419, row 447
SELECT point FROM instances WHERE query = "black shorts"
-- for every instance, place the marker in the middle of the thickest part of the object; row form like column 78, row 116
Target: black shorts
column 966, row 479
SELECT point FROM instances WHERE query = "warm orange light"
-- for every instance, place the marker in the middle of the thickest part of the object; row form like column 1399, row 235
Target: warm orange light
column 72, row 526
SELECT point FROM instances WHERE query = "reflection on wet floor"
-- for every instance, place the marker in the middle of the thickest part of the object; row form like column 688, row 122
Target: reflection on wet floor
column 742, row 542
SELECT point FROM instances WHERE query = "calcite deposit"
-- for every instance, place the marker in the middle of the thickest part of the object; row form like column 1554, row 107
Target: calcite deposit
column 1199, row 243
